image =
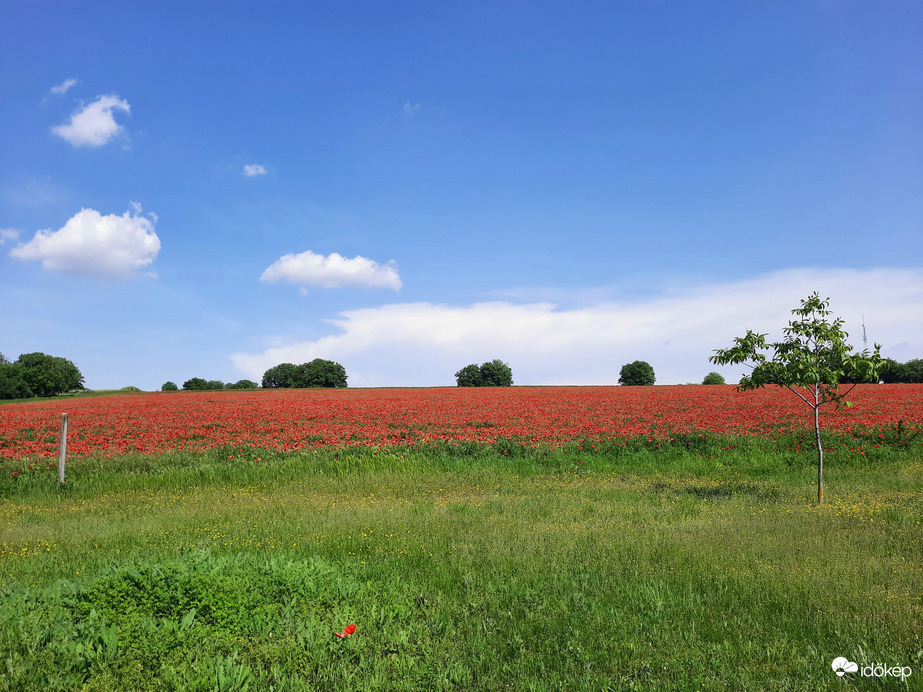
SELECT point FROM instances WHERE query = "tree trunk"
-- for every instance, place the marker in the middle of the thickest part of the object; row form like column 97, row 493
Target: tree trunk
column 820, row 456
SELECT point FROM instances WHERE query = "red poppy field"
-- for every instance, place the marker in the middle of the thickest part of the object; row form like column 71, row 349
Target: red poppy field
column 552, row 417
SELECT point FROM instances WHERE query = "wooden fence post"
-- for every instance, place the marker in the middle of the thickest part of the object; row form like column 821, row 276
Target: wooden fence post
column 62, row 454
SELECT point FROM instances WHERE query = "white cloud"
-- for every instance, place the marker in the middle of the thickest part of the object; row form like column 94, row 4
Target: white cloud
column 8, row 234
column 411, row 108
column 64, row 86
column 94, row 125
column 91, row 244
column 332, row 271
column 421, row 344
column 252, row 169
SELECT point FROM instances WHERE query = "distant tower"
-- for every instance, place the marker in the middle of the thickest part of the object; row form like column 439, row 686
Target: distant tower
column 865, row 341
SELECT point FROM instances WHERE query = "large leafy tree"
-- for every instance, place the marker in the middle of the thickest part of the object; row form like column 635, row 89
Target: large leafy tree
column 637, row 373
column 321, row 373
column 280, row 376
column 196, row 384
column 12, row 384
column 317, row 373
column 469, row 376
column 48, row 375
column 811, row 361
column 494, row 373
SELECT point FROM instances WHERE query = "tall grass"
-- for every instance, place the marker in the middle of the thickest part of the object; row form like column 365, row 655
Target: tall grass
column 698, row 566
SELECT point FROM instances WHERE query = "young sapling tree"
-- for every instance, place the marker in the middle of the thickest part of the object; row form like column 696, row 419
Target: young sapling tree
column 811, row 362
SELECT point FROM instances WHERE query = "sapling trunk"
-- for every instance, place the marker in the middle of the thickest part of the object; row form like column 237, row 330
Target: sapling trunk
column 820, row 458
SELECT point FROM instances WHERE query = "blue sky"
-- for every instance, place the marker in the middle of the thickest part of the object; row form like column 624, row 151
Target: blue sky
column 207, row 189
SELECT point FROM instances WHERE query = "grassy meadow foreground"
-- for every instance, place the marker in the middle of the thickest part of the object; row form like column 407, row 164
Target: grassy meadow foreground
column 471, row 552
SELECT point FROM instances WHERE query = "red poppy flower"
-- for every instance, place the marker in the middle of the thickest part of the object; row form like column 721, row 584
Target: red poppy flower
column 348, row 630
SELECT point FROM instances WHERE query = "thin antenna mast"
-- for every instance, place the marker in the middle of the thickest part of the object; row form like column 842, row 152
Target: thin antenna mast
column 865, row 340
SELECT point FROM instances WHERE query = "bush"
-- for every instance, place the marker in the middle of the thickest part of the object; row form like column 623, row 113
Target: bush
column 713, row 378
column 317, row 373
column 638, row 373
column 495, row 373
column 48, row 375
column 169, row 387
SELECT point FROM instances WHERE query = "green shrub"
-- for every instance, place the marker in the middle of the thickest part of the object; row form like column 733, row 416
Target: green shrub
column 713, row 378
column 169, row 387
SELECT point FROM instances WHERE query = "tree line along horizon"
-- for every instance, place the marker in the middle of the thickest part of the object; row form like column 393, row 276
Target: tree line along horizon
column 35, row 375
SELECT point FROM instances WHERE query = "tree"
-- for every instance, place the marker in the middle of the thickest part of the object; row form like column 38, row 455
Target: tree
column 242, row 384
column 912, row 371
column 279, row 376
column 4, row 360
column 469, row 376
column 893, row 371
column 810, row 362
column 48, row 375
column 713, row 378
column 321, row 373
column 169, row 387
column 638, row 373
column 317, row 373
column 195, row 384
column 494, row 373
column 12, row 384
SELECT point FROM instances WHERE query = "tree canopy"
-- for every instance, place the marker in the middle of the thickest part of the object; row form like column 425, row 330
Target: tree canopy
column 48, row 375
column 494, row 373
column 713, row 378
column 906, row 373
column 317, row 373
column 638, row 373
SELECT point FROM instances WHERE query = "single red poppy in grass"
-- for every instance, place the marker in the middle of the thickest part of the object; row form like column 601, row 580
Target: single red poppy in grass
column 348, row 630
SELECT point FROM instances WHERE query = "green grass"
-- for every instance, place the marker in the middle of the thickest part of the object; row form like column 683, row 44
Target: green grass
column 463, row 570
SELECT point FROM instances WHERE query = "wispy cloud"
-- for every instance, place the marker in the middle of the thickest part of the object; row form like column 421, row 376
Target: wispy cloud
column 411, row 108
column 332, row 271
column 8, row 234
column 94, row 125
column 91, row 244
column 64, row 86
column 418, row 344
column 252, row 169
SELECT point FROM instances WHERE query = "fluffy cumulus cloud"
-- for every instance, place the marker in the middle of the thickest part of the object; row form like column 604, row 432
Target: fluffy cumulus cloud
column 421, row 344
column 332, row 271
column 94, row 125
column 252, row 169
column 63, row 86
column 91, row 244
